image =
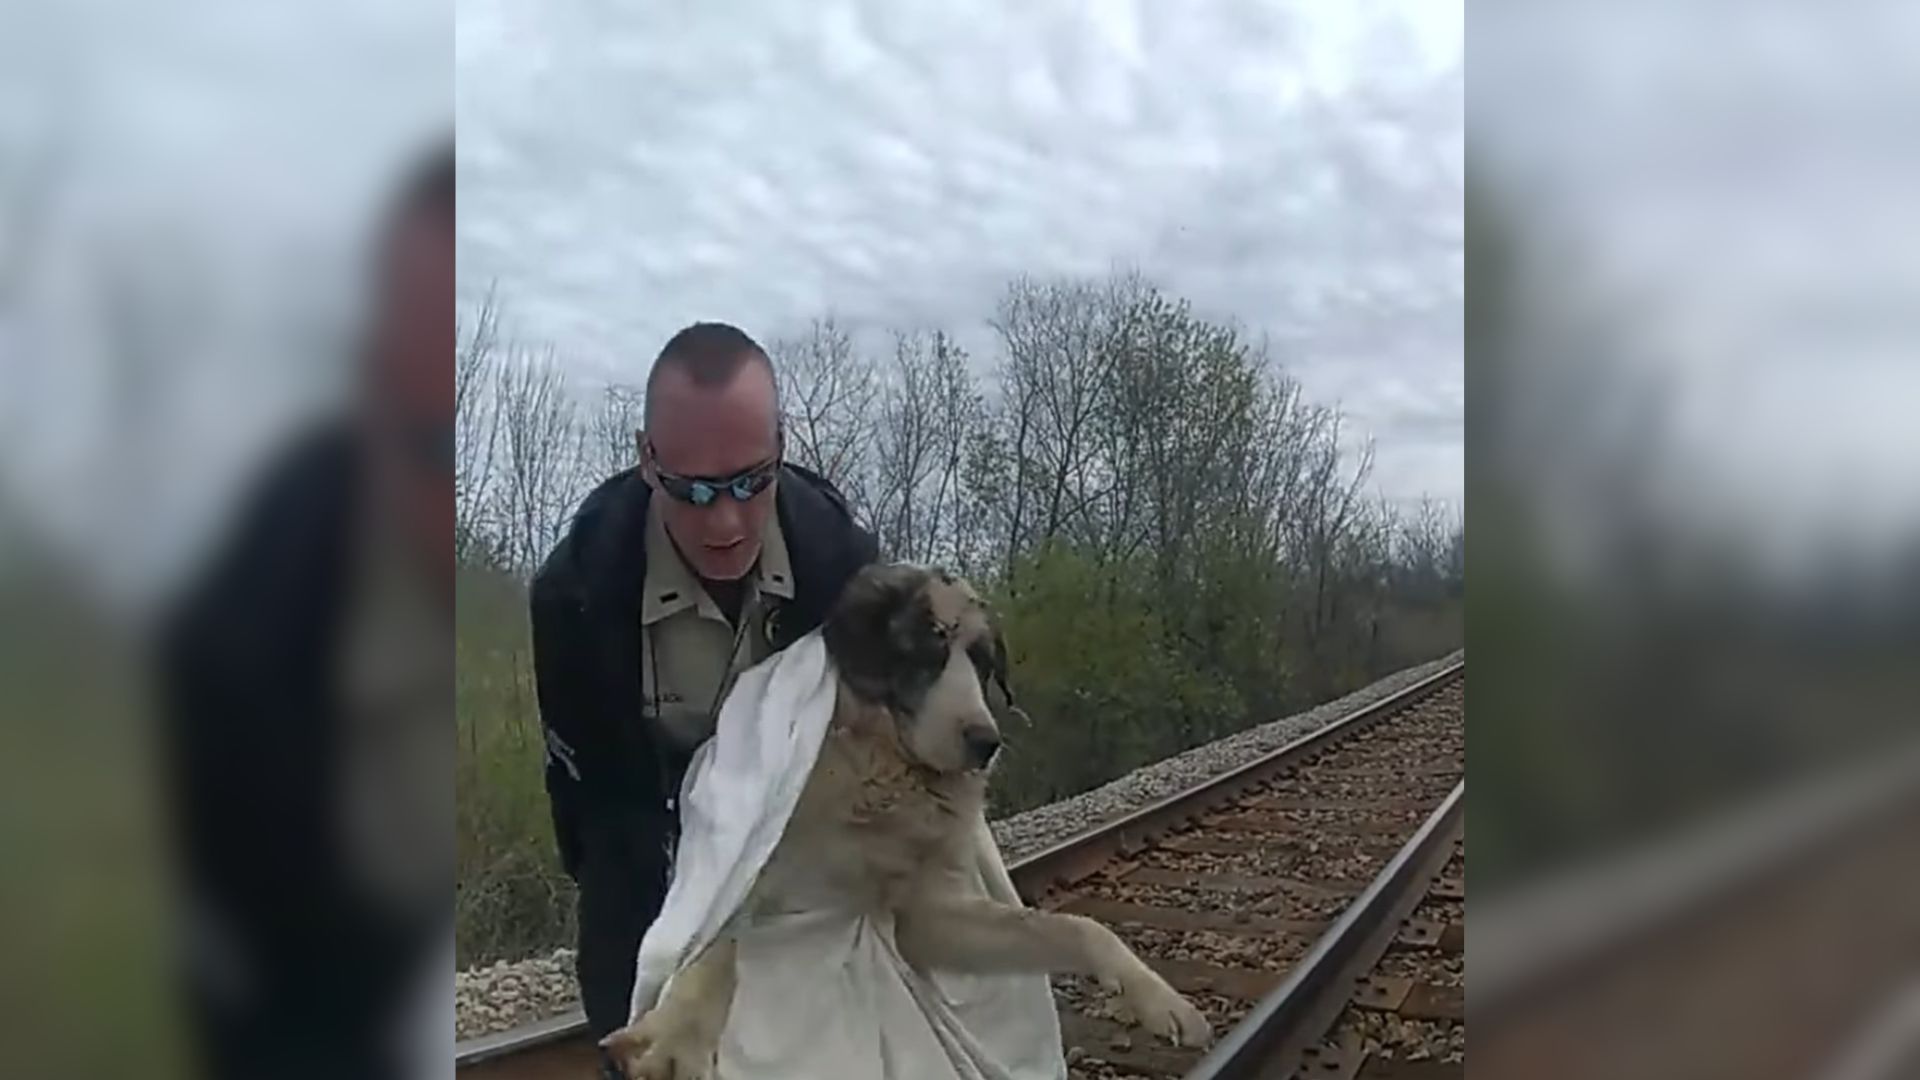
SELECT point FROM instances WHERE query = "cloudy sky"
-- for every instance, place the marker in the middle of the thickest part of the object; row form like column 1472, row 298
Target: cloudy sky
column 1294, row 167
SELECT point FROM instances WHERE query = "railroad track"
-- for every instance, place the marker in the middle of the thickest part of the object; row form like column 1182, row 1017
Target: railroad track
column 1384, row 998
column 1262, row 895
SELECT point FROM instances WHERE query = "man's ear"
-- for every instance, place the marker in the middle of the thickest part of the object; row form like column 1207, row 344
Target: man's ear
column 649, row 469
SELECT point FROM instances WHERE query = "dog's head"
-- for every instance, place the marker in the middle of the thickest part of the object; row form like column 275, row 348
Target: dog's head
column 919, row 642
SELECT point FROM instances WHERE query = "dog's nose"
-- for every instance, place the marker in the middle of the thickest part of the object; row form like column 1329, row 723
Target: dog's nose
column 982, row 744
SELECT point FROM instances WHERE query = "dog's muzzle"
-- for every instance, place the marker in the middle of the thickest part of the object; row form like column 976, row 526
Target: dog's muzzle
column 982, row 744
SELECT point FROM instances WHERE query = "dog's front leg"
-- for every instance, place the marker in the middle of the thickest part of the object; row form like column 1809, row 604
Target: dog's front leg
column 678, row 1038
column 984, row 937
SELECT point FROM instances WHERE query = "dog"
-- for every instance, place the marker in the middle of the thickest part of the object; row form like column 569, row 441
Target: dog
column 889, row 821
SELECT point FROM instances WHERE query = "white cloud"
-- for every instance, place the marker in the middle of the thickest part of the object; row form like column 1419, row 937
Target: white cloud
column 1293, row 167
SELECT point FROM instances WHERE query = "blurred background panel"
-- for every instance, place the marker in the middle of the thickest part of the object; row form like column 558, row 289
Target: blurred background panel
column 189, row 195
column 186, row 195
column 1691, row 452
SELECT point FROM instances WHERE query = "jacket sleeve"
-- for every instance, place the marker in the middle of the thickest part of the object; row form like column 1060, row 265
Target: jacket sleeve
column 865, row 547
column 557, row 688
column 601, row 777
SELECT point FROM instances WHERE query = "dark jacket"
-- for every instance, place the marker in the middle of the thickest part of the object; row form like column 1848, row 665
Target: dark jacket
column 609, row 781
column 307, row 973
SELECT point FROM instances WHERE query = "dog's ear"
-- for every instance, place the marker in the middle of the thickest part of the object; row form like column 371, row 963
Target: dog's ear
column 877, row 627
column 989, row 656
column 1000, row 664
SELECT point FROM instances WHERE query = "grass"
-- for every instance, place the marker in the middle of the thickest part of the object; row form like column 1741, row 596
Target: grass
column 511, row 897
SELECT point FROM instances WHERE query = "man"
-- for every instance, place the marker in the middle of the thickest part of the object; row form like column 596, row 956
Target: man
column 677, row 574
column 309, row 716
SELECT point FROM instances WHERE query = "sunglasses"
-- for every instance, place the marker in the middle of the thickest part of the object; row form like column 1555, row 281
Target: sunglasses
column 703, row 490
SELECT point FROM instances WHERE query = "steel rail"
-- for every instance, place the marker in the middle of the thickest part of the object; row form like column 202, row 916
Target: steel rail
column 1077, row 856
column 1273, row 1039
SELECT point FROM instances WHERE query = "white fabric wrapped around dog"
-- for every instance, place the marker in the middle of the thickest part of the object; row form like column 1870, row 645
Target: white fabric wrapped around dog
column 821, row 995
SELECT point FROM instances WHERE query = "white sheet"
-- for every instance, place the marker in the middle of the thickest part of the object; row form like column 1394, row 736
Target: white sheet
column 821, row 996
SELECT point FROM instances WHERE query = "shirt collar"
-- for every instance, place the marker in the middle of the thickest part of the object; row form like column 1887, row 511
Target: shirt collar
column 672, row 588
column 776, row 568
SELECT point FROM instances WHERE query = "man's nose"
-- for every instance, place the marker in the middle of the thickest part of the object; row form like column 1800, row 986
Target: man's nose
column 983, row 743
column 724, row 518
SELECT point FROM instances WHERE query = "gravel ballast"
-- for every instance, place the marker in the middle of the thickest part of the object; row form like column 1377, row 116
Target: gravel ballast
column 506, row 995
column 1028, row 832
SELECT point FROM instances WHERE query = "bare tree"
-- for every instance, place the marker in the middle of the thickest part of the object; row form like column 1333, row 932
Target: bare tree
column 476, row 429
column 542, row 437
column 1056, row 338
column 1184, row 430
column 1423, row 551
column 906, row 444
column 828, row 393
column 984, row 534
column 956, row 417
column 1327, row 511
column 961, row 426
column 612, row 432
column 1455, row 563
column 1275, row 460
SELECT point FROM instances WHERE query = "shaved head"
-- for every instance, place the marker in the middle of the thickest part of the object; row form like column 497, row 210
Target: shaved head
column 710, row 356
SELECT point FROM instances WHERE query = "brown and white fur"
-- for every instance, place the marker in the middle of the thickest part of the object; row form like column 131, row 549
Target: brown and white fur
column 892, row 819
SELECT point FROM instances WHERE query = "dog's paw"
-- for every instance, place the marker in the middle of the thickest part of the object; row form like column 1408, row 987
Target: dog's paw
column 1162, row 1011
column 656, row 1048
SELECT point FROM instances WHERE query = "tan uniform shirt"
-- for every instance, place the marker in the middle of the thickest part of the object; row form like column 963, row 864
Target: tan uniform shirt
column 690, row 653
